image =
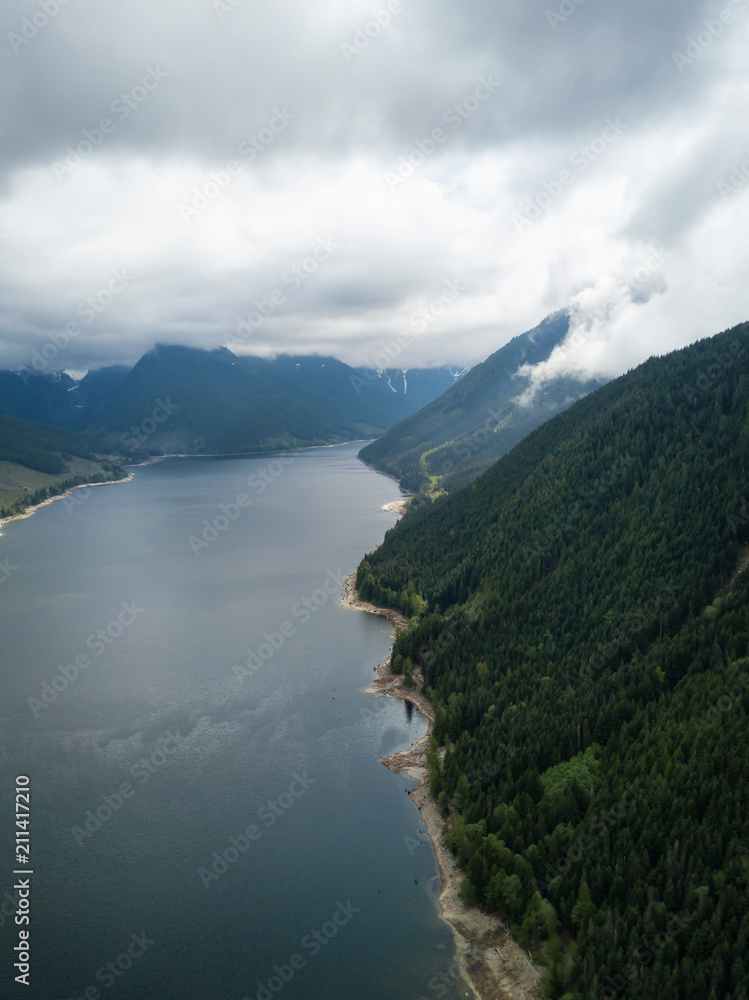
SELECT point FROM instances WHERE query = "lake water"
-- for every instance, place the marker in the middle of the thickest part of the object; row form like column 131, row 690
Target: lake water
column 186, row 696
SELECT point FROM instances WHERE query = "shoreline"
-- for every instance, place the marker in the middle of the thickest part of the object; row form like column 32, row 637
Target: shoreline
column 398, row 507
column 493, row 965
column 257, row 454
column 30, row 511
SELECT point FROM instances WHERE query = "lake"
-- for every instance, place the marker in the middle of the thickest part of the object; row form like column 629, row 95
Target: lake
column 209, row 818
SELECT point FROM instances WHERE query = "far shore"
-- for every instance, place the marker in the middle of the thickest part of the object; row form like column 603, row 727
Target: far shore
column 61, row 496
column 494, row 966
column 160, row 458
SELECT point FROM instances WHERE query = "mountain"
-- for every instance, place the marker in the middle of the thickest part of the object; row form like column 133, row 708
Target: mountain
column 420, row 385
column 37, row 397
column 179, row 399
column 38, row 461
column 460, row 434
column 57, row 398
column 580, row 619
column 95, row 390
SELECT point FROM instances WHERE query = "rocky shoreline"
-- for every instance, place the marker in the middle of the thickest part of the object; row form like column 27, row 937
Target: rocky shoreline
column 494, row 966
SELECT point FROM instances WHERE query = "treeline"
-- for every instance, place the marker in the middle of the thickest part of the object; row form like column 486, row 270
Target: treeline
column 57, row 489
column 581, row 617
column 43, row 447
column 48, row 449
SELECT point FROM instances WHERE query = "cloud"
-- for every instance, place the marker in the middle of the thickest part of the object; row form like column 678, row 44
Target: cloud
column 537, row 153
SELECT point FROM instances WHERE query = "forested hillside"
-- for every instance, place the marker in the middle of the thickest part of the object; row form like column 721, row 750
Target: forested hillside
column 580, row 614
column 179, row 399
column 38, row 461
column 460, row 434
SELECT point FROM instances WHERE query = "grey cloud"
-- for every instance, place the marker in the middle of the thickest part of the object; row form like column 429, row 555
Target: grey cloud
column 183, row 87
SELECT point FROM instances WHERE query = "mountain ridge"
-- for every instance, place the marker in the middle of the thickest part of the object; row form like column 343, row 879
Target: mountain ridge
column 580, row 616
column 189, row 400
column 461, row 433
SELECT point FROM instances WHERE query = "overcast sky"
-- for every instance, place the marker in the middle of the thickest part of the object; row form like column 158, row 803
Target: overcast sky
column 343, row 174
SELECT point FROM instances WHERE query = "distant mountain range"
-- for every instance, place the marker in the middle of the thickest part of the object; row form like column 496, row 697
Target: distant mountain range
column 460, row 434
column 441, row 426
column 185, row 400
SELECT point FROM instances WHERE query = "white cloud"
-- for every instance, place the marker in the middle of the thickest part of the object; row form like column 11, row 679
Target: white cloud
column 538, row 145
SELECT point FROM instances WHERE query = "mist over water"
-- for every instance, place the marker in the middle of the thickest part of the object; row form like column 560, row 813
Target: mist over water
column 208, row 811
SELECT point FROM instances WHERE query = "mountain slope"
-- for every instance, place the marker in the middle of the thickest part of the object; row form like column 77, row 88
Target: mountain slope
column 38, row 461
column 179, row 399
column 418, row 386
column 456, row 437
column 37, row 397
column 581, row 620
column 57, row 398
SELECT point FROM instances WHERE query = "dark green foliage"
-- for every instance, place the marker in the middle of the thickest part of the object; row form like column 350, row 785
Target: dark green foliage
column 458, row 436
column 585, row 641
column 50, row 450
column 57, row 398
column 43, row 447
column 112, row 474
column 177, row 399
column 218, row 403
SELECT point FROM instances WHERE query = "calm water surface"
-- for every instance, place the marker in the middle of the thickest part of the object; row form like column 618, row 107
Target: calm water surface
column 206, row 792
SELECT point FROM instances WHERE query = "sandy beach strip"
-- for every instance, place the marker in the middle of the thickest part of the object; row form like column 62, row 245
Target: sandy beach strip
column 494, row 966
column 398, row 507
